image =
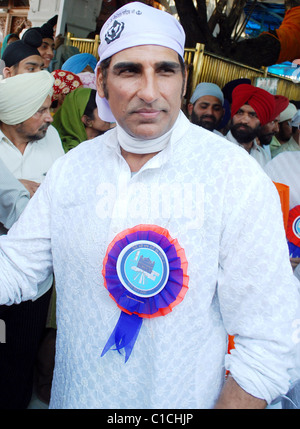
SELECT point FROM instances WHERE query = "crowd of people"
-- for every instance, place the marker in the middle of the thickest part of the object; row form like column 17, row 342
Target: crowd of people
column 100, row 161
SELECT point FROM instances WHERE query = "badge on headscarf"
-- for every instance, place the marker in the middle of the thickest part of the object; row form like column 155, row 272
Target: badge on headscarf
column 293, row 232
column 145, row 273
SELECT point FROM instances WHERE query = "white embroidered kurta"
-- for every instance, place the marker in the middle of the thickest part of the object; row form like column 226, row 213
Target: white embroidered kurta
column 225, row 213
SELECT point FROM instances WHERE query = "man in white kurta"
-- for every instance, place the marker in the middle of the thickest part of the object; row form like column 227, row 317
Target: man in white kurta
column 27, row 148
column 216, row 201
column 184, row 351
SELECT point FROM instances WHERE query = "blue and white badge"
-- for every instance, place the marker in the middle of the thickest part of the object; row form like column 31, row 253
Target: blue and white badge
column 296, row 227
column 143, row 268
column 293, row 232
column 145, row 273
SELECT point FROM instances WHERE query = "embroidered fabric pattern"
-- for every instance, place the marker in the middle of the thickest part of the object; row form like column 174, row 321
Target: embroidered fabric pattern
column 216, row 201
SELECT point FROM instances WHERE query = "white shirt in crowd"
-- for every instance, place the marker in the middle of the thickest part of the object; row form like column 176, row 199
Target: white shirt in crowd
column 259, row 153
column 33, row 165
column 37, row 158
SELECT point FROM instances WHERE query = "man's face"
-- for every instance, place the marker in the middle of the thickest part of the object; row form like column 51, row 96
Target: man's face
column 46, row 51
column 245, row 124
column 267, row 131
column 206, row 112
column 35, row 128
column 144, row 86
column 31, row 64
column 285, row 131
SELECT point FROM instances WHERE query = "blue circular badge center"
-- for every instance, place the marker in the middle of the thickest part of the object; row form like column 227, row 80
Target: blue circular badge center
column 143, row 268
column 296, row 226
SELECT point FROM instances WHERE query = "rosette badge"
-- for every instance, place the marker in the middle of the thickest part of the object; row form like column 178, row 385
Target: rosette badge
column 145, row 272
column 293, row 232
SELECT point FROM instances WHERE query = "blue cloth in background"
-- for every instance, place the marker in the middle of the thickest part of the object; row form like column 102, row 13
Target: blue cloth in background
column 78, row 62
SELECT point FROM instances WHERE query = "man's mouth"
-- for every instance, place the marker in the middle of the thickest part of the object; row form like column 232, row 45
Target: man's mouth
column 242, row 127
column 148, row 113
column 208, row 118
column 44, row 128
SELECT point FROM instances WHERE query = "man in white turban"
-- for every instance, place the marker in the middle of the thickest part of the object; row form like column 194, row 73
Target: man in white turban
column 28, row 148
column 283, row 141
column 24, row 124
column 161, row 235
column 22, row 96
column 206, row 106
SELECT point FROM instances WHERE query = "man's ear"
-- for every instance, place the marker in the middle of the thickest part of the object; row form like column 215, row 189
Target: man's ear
column 87, row 122
column 99, row 82
column 7, row 72
column 190, row 107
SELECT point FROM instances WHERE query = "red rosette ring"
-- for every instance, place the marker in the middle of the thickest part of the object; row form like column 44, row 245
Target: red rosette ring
column 293, row 232
column 145, row 273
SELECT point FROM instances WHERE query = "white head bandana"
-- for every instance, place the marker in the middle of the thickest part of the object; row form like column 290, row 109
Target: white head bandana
column 137, row 24
column 22, row 95
column 288, row 113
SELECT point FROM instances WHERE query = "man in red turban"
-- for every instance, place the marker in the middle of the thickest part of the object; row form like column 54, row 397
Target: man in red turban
column 268, row 131
column 251, row 108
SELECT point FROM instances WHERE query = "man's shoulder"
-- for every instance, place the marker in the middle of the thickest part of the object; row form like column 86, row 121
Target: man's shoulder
column 218, row 153
column 209, row 141
column 287, row 159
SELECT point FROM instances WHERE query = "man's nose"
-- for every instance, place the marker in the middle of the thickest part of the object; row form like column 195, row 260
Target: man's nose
column 148, row 91
column 245, row 118
column 276, row 127
column 209, row 111
column 48, row 117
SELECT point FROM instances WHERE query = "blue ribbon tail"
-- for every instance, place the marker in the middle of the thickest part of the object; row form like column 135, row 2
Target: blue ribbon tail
column 125, row 334
column 294, row 250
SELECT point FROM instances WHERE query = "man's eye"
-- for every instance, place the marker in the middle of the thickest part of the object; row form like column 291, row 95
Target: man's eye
column 166, row 70
column 128, row 71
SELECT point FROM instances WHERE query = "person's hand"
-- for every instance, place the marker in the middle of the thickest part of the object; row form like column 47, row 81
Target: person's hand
column 30, row 186
column 295, row 262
